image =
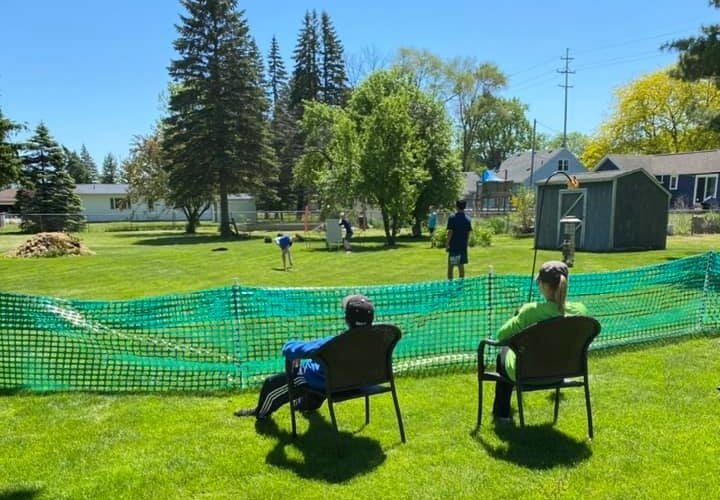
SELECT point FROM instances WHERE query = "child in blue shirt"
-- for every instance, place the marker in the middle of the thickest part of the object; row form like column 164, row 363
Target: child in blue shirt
column 284, row 242
column 359, row 311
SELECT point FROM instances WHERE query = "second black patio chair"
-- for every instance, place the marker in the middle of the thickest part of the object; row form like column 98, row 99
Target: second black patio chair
column 550, row 354
column 356, row 364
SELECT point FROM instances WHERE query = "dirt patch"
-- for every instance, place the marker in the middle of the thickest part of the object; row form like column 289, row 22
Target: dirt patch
column 50, row 245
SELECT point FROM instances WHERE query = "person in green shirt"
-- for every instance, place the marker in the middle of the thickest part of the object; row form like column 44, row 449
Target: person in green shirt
column 552, row 280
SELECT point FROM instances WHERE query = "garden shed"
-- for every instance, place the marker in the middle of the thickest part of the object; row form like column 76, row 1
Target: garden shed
column 618, row 210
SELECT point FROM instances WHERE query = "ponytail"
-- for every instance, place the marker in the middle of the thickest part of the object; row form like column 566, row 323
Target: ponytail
column 561, row 294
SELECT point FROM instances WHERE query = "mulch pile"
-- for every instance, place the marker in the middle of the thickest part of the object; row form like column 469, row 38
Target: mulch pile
column 51, row 245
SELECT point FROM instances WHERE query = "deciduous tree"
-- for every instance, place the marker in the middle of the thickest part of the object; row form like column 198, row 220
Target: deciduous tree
column 657, row 114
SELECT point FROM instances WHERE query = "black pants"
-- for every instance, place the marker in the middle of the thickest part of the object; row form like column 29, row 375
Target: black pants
column 503, row 390
column 274, row 394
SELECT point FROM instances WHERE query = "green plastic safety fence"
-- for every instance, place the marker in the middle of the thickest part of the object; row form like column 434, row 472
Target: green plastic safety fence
column 230, row 338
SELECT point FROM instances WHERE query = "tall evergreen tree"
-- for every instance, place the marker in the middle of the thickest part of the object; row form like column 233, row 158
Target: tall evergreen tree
column 279, row 194
column 9, row 160
column 110, row 170
column 89, row 164
column 277, row 75
column 46, row 200
column 216, row 136
column 334, row 86
column 305, row 84
column 75, row 167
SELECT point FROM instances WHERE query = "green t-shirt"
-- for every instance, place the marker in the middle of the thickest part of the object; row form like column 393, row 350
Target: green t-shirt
column 527, row 315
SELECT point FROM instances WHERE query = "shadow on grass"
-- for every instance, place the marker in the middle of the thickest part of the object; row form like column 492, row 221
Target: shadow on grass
column 317, row 445
column 536, row 447
column 19, row 493
column 165, row 240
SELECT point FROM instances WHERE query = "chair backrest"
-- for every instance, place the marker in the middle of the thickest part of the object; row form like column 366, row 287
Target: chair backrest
column 554, row 348
column 360, row 357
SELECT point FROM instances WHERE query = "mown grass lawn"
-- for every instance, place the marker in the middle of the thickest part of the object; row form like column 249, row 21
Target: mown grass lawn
column 655, row 406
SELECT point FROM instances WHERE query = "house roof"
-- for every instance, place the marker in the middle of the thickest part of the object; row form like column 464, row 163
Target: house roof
column 120, row 189
column 7, row 196
column 694, row 162
column 518, row 165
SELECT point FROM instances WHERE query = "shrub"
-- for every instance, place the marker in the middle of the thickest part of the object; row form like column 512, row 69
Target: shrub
column 497, row 225
column 480, row 236
column 524, row 204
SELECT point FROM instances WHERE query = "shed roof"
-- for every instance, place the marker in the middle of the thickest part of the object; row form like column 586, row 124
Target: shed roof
column 604, row 176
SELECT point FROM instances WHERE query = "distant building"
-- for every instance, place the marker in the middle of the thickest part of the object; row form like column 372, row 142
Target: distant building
column 524, row 169
column 110, row 202
column 691, row 178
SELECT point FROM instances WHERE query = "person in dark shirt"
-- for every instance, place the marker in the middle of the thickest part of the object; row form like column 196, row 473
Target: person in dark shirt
column 456, row 240
column 345, row 223
column 359, row 311
column 284, row 242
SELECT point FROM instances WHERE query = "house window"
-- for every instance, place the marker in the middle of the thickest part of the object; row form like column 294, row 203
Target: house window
column 119, row 203
column 563, row 165
column 705, row 187
column 673, row 182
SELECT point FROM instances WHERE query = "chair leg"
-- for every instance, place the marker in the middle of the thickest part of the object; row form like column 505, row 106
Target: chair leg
column 520, row 406
column 557, row 405
column 397, row 413
column 334, row 423
column 480, row 402
column 588, row 408
column 367, row 410
column 292, row 412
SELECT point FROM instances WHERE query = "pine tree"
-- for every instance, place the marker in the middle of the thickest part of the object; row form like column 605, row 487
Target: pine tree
column 75, row 167
column 279, row 194
column 9, row 160
column 110, row 170
column 89, row 164
column 216, row 137
column 334, row 89
column 305, row 83
column 277, row 76
column 46, row 200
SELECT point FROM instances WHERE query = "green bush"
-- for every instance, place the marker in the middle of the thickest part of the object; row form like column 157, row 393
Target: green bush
column 681, row 223
column 479, row 236
column 497, row 225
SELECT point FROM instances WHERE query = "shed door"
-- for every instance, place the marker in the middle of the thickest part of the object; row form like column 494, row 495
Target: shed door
column 573, row 202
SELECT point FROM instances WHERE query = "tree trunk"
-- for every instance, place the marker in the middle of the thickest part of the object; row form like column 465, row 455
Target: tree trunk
column 389, row 236
column 224, row 212
column 416, row 228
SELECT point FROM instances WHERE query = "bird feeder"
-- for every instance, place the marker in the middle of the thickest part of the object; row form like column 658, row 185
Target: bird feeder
column 568, row 226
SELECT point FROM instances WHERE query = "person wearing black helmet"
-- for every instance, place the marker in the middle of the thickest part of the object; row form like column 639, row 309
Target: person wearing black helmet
column 359, row 311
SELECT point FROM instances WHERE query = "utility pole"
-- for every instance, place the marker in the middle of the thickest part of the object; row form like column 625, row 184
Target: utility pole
column 565, row 72
column 532, row 155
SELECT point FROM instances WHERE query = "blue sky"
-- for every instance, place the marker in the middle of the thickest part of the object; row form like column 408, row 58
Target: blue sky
column 94, row 70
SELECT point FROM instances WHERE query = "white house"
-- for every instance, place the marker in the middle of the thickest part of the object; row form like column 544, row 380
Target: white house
column 110, row 202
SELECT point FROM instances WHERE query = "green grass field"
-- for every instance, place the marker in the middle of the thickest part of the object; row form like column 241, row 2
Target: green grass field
column 655, row 406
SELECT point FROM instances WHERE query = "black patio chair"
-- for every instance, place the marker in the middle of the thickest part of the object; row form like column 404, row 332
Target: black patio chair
column 550, row 354
column 356, row 364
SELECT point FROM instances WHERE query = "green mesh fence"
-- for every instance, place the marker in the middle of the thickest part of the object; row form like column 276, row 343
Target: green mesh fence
column 231, row 337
